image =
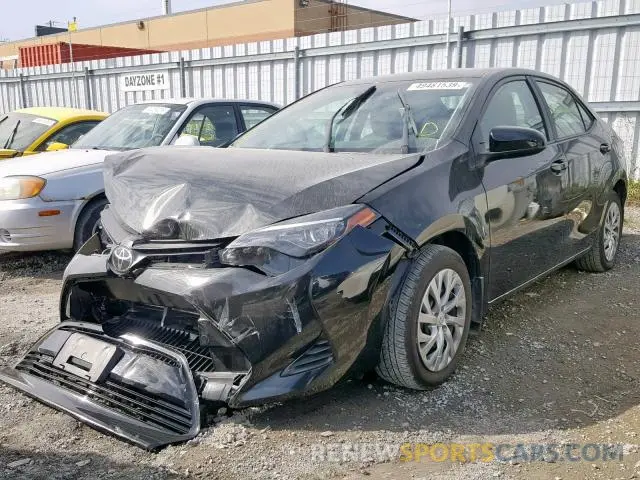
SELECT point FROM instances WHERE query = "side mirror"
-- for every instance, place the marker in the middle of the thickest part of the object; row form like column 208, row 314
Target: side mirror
column 513, row 142
column 8, row 153
column 55, row 146
column 187, row 141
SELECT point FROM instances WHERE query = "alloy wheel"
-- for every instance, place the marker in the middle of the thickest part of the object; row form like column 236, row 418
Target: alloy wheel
column 612, row 231
column 441, row 320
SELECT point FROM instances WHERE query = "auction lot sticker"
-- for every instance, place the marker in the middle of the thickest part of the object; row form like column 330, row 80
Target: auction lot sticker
column 438, row 86
column 140, row 82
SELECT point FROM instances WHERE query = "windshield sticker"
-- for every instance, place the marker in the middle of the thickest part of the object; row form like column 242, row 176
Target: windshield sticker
column 156, row 110
column 438, row 86
column 44, row 121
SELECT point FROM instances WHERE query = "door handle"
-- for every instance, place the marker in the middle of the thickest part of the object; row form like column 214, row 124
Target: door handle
column 605, row 148
column 558, row 166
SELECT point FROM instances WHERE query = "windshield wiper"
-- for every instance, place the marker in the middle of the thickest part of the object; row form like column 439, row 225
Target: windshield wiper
column 409, row 121
column 347, row 110
column 12, row 136
column 100, row 147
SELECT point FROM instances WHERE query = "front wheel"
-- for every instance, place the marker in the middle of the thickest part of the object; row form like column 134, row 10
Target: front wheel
column 428, row 322
column 88, row 222
column 602, row 255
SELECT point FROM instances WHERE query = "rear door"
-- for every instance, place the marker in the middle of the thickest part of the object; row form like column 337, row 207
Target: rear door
column 523, row 193
column 586, row 150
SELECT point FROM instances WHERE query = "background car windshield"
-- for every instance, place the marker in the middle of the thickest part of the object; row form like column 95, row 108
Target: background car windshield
column 376, row 125
column 30, row 128
column 137, row 126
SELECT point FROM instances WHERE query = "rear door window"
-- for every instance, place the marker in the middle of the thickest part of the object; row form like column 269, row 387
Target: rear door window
column 587, row 118
column 253, row 114
column 564, row 110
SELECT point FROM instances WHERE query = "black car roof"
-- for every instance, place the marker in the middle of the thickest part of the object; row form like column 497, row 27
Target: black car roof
column 458, row 73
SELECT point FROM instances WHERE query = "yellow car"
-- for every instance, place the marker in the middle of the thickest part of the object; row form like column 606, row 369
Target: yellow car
column 40, row 129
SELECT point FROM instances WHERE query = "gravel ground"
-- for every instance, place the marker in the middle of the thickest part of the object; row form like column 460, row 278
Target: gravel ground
column 557, row 363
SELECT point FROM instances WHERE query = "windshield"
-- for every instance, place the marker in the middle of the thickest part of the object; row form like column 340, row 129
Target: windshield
column 19, row 130
column 137, row 126
column 366, row 118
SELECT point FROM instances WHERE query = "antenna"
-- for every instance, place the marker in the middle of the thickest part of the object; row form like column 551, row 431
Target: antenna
column 166, row 7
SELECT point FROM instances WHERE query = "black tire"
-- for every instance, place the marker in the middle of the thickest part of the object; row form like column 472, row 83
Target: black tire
column 87, row 221
column 400, row 362
column 595, row 260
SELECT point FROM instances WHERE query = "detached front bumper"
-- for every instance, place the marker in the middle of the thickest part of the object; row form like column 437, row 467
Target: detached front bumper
column 235, row 336
column 127, row 386
column 23, row 228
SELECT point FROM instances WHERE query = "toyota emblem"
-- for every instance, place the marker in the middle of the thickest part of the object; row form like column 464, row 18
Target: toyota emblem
column 121, row 259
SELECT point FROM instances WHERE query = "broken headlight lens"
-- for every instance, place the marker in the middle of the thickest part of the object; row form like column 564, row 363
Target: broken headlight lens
column 282, row 246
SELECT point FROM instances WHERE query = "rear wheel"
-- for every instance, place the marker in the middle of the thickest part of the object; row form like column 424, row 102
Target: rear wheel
column 602, row 255
column 88, row 222
column 428, row 322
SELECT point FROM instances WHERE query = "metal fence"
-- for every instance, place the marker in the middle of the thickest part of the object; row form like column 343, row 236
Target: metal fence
column 594, row 46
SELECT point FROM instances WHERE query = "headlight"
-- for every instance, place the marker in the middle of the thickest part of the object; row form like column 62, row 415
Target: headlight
column 282, row 246
column 14, row 188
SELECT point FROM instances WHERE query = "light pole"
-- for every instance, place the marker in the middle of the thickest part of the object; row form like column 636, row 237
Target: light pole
column 71, row 27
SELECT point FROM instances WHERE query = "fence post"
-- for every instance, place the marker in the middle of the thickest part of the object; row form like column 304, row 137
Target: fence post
column 296, row 78
column 23, row 96
column 460, row 40
column 183, row 80
column 87, row 89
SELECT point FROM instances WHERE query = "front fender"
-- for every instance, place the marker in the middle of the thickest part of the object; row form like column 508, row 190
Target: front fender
column 81, row 183
column 441, row 195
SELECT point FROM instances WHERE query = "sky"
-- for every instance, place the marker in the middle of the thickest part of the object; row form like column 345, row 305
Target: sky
column 25, row 14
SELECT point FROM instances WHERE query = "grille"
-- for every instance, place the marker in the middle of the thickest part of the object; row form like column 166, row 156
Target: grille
column 198, row 357
column 204, row 254
column 112, row 394
column 147, row 351
column 318, row 355
column 5, row 236
column 205, row 258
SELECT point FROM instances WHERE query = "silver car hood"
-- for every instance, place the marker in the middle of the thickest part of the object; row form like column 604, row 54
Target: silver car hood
column 46, row 163
column 210, row 193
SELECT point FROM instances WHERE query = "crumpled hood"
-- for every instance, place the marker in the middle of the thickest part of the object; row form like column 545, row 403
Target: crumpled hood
column 217, row 193
column 50, row 162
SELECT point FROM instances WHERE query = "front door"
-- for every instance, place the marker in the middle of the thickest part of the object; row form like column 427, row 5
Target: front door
column 212, row 125
column 524, row 210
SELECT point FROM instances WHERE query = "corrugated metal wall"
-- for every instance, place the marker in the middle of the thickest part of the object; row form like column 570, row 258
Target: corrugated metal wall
column 594, row 46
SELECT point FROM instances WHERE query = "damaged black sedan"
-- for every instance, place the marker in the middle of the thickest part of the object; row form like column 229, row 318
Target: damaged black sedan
column 366, row 226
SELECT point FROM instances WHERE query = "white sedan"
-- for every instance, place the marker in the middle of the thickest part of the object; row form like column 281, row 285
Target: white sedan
column 53, row 200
